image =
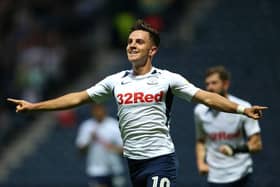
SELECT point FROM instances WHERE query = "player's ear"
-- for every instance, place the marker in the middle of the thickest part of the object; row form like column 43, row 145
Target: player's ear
column 226, row 84
column 153, row 50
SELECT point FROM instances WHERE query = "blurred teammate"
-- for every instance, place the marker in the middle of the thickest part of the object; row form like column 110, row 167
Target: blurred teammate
column 225, row 140
column 144, row 97
column 100, row 138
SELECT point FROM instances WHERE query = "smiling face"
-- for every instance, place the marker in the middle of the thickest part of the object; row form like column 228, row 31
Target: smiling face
column 140, row 48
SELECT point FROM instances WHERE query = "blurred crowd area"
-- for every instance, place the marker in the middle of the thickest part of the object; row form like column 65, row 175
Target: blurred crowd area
column 47, row 44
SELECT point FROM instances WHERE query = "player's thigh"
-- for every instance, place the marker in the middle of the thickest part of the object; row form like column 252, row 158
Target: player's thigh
column 161, row 181
column 157, row 172
column 164, row 172
column 138, row 182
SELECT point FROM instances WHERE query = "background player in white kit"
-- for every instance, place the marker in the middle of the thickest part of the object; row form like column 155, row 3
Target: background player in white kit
column 99, row 137
column 144, row 97
column 225, row 141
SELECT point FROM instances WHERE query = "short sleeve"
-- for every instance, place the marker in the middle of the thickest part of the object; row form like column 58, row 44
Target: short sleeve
column 199, row 131
column 181, row 87
column 102, row 90
column 84, row 135
column 251, row 126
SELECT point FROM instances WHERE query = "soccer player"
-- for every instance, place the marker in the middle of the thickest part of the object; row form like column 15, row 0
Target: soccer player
column 99, row 137
column 224, row 141
column 144, row 97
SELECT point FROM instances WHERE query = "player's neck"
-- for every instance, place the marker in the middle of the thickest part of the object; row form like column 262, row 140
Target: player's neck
column 142, row 70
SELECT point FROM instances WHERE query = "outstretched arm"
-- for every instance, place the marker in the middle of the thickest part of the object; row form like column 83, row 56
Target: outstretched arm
column 67, row 101
column 220, row 103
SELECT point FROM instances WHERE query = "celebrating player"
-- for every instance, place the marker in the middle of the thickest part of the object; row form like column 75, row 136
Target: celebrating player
column 222, row 137
column 144, row 96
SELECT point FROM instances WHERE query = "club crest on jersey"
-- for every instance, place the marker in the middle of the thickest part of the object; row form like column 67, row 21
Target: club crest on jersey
column 139, row 97
column 152, row 80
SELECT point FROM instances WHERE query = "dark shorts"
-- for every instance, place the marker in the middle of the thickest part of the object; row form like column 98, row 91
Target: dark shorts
column 102, row 180
column 246, row 181
column 155, row 172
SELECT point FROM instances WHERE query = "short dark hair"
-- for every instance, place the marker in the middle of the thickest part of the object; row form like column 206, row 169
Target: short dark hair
column 142, row 25
column 223, row 73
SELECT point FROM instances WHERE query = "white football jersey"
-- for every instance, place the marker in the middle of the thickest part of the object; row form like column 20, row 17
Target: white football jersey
column 144, row 104
column 100, row 160
column 219, row 128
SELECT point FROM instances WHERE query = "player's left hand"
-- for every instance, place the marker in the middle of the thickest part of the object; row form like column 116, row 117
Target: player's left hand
column 255, row 112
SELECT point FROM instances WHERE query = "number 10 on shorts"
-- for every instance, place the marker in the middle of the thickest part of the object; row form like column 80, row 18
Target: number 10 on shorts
column 163, row 182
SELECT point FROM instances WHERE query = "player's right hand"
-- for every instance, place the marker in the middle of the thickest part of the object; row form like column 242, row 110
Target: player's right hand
column 21, row 105
column 203, row 168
